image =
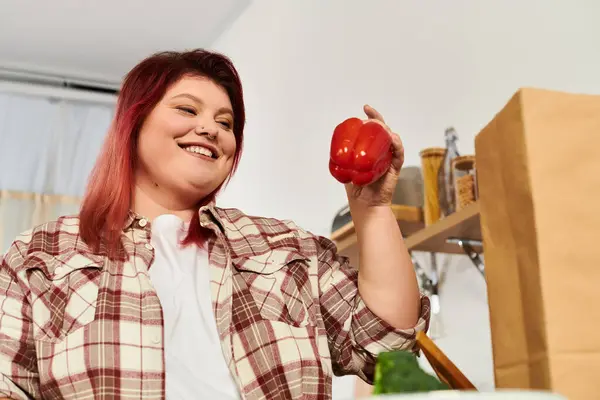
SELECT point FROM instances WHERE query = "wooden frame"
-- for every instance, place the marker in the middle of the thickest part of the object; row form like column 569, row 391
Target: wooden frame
column 445, row 369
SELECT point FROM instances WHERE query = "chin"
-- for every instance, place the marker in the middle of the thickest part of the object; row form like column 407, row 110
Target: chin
column 202, row 187
column 199, row 184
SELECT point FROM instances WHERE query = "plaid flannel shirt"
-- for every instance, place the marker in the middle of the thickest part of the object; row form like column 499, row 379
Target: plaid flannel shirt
column 79, row 325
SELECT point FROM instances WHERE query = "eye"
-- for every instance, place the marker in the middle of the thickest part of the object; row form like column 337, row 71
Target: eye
column 187, row 110
column 225, row 124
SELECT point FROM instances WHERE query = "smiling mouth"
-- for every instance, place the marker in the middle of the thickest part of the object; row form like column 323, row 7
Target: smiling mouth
column 199, row 151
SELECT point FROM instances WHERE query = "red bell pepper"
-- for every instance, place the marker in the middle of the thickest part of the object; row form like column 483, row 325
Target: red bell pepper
column 361, row 152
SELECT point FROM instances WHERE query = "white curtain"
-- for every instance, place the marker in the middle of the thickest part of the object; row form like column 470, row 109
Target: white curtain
column 20, row 211
column 47, row 149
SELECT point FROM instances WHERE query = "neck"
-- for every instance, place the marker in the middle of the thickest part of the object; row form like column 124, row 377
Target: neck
column 150, row 202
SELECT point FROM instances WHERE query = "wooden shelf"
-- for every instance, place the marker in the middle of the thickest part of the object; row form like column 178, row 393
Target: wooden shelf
column 410, row 220
column 463, row 224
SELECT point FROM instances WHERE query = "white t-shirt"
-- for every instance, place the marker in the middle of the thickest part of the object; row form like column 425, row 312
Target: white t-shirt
column 195, row 366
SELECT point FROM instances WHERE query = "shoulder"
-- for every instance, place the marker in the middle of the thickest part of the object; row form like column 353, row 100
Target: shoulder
column 266, row 225
column 268, row 231
column 50, row 238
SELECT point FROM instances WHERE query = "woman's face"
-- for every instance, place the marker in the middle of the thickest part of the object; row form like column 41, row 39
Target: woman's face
column 186, row 145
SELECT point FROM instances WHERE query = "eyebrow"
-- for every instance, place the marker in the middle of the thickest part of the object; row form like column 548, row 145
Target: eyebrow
column 222, row 110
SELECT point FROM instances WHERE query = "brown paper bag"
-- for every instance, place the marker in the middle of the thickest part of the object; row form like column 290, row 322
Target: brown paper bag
column 538, row 165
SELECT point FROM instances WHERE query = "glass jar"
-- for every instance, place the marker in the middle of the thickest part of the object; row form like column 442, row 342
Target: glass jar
column 463, row 174
column 431, row 161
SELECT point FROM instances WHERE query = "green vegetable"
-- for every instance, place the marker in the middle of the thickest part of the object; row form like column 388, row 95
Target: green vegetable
column 399, row 372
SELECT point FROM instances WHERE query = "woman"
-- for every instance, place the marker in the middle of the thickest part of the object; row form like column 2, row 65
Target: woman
column 154, row 291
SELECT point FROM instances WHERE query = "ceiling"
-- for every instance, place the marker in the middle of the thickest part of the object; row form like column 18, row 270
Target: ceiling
column 103, row 39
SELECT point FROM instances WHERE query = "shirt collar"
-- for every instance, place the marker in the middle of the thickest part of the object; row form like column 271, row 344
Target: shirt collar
column 211, row 211
column 131, row 218
column 206, row 212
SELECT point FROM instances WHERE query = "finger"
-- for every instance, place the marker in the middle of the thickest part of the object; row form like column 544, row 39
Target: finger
column 397, row 144
column 387, row 128
column 376, row 117
column 373, row 113
column 398, row 149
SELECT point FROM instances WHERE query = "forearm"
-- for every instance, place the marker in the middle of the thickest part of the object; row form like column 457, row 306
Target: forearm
column 386, row 279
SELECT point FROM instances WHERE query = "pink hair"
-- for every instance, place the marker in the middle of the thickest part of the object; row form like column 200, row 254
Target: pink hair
column 108, row 196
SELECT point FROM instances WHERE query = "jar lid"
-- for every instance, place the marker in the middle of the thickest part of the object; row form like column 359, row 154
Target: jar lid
column 463, row 162
column 432, row 151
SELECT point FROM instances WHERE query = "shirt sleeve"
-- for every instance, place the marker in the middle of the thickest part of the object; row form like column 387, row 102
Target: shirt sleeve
column 355, row 334
column 18, row 361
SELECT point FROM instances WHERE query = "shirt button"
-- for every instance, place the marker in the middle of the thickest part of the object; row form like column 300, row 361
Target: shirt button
column 149, row 246
column 143, row 222
column 156, row 339
column 58, row 270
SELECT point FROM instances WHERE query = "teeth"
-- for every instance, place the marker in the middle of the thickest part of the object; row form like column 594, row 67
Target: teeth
column 199, row 150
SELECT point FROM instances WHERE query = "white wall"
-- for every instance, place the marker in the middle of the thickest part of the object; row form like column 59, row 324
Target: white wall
column 309, row 64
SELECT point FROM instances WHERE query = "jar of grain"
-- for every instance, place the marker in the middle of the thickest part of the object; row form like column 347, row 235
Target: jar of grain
column 431, row 161
column 463, row 173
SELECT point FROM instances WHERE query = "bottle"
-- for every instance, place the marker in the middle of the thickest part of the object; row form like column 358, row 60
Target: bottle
column 445, row 179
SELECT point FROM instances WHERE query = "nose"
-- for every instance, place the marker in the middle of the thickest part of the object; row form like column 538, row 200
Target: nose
column 209, row 130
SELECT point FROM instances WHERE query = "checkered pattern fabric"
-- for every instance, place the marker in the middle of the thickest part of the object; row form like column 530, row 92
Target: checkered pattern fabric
column 77, row 325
